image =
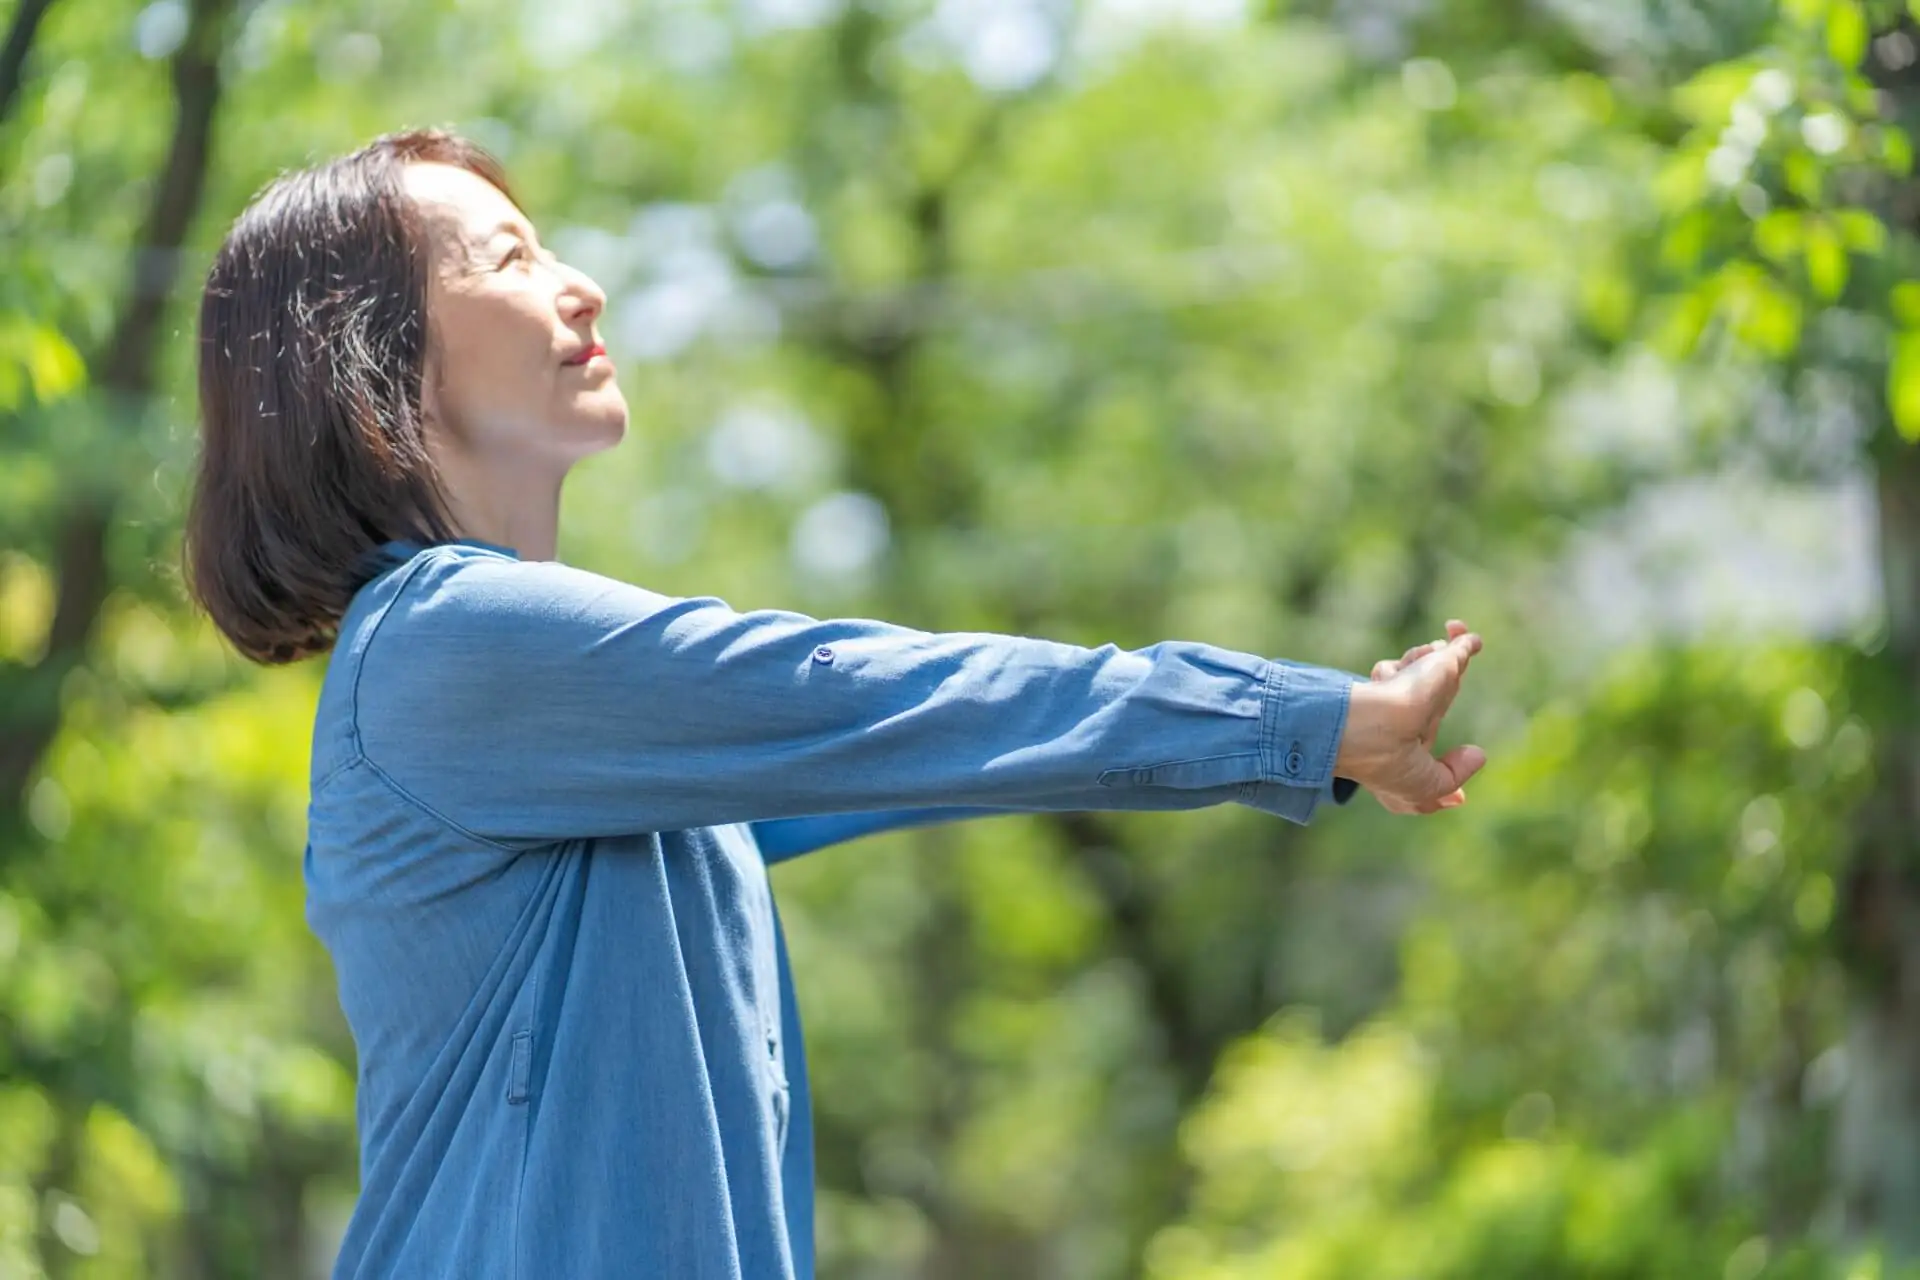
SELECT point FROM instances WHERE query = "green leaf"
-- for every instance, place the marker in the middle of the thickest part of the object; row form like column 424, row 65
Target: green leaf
column 1827, row 264
column 1682, row 180
column 1806, row 177
column 1608, row 298
column 1847, row 33
column 1903, row 300
column 1862, row 231
column 1779, row 235
column 1766, row 317
column 1903, row 384
column 53, row 366
column 1686, row 240
column 1685, row 320
column 1708, row 98
column 1806, row 12
column 1896, row 148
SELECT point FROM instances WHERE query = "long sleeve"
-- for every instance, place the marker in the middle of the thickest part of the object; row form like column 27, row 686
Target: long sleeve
column 782, row 839
column 531, row 701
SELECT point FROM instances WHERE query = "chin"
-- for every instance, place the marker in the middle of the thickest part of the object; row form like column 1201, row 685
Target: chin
column 587, row 443
column 597, row 429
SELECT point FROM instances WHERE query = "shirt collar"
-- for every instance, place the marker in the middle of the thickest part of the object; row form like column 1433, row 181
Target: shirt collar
column 402, row 548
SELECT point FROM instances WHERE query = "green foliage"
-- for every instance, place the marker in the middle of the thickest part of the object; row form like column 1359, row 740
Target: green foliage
column 1580, row 1076
column 1259, row 330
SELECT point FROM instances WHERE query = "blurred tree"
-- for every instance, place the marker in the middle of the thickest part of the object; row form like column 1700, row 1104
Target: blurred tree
column 1780, row 196
column 1614, row 1051
column 101, row 953
column 1283, row 330
column 1794, row 215
column 21, row 30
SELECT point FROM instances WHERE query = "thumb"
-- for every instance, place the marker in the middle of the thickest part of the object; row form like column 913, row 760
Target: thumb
column 1438, row 781
column 1462, row 763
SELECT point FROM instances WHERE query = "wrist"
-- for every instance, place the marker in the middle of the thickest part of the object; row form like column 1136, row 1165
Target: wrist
column 1363, row 738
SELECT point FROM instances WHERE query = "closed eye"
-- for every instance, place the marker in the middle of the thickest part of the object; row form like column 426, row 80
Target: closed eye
column 522, row 251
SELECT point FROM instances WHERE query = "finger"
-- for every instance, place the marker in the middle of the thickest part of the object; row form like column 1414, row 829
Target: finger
column 1471, row 644
column 1455, row 628
column 1387, row 668
column 1434, row 681
column 1429, row 683
column 1437, row 679
column 1455, row 655
column 1462, row 763
column 1463, row 647
column 1453, row 800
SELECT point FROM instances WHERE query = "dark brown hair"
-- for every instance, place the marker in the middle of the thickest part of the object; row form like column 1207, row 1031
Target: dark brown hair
column 313, row 346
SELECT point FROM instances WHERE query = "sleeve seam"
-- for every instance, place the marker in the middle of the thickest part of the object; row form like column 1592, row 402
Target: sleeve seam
column 353, row 757
column 353, row 713
column 394, row 785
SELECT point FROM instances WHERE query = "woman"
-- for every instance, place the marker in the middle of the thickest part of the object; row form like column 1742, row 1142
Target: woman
column 543, row 800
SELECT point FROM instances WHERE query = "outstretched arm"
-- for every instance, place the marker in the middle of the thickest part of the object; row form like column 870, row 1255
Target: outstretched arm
column 784, row 838
column 528, row 701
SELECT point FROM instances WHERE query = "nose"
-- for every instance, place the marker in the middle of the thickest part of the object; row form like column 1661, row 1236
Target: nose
column 580, row 298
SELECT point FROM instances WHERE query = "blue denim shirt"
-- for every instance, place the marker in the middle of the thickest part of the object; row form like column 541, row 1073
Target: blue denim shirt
column 543, row 802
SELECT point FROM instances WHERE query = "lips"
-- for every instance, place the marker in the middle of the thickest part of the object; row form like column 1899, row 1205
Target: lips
column 585, row 354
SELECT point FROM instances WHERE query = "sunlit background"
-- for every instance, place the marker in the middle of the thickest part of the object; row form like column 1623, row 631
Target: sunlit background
column 1293, row 327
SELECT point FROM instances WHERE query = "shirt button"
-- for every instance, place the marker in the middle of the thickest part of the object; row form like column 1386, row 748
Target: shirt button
column 1295, row 761
column 823, row 655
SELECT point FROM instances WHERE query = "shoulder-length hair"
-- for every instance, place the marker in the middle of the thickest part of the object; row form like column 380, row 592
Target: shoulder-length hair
column 313, row 347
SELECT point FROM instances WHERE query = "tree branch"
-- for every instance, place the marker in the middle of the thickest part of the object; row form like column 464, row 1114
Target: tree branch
column 125, row 371
column 13, row 55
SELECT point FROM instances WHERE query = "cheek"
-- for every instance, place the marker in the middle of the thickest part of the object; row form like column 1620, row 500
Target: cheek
column 491, row 341
column 494, row 357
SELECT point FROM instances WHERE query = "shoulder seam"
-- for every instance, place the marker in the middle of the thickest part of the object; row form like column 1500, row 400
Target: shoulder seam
column 353, row 712
column 373, row 631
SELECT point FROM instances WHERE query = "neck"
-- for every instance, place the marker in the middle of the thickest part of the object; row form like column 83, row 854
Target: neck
column 510, row 511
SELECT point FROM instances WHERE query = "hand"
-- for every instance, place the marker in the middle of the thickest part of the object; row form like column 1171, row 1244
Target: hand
column 1387, row 668
column 1392, row 722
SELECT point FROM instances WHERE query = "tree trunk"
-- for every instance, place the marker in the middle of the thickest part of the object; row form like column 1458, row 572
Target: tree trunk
column 1876, row 1150
column 13, row 54
column 124, row 373
column 1875, row 1162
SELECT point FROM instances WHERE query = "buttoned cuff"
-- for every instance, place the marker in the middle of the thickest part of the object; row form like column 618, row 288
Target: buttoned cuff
column 1302, row 717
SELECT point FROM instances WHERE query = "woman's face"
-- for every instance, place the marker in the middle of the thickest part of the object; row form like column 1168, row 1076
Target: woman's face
column 513, row 380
